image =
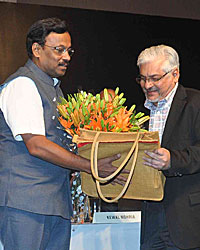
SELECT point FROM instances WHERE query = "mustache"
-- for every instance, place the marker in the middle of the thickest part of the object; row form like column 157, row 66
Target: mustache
column 65, row 62
column 153, row 88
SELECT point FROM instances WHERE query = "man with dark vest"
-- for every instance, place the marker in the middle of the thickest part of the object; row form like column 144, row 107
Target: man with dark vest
column 36, row 156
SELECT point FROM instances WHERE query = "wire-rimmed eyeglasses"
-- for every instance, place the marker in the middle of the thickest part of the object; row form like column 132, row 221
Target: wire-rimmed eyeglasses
column 61, row 49
column 142, row 79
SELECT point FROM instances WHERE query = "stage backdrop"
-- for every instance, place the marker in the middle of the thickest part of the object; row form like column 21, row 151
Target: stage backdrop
column 106, row 43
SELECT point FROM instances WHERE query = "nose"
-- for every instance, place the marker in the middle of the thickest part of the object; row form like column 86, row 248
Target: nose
column 66, row 56
column 148, row 84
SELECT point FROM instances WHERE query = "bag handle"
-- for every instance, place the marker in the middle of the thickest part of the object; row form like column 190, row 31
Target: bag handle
column 94, row 157
column 94, row 168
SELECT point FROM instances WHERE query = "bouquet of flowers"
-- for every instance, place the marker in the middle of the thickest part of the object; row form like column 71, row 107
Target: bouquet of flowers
column 88, row 111
column 102, row 125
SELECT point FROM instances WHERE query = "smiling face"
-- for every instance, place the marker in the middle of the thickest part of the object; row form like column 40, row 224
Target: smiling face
column 156, row 91
column 48, row 59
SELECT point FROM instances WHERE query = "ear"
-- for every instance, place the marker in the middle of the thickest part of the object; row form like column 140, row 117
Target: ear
column 36, row 48
column 176, row 75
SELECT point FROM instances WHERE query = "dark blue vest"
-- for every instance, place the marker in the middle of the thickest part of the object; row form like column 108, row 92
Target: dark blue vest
column 27, row 182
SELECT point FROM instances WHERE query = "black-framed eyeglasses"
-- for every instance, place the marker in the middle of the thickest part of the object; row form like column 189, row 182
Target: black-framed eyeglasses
column 61, row 50
column 154, row 79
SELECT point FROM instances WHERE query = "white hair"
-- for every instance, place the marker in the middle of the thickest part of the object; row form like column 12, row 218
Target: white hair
column 150, row 54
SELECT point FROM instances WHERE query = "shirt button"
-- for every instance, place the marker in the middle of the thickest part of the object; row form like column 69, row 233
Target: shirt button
column 53, row 117
column 54, row 99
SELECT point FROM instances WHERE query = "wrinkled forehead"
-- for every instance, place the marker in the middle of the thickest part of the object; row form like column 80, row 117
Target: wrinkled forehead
column 154, row 66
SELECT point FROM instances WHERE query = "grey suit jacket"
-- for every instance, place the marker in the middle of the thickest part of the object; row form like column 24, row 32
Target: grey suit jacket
column 27, row 182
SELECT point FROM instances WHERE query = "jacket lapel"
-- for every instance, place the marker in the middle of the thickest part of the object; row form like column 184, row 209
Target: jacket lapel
column 175, row 112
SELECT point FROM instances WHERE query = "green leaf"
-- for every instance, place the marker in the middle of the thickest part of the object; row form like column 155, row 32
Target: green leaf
column 88, row 112
column 116, row 100
column 138, row 115
column 97, row 97
column 80, row 97
column 101, row 104
column 121, row 95
column 102, row 124
column 97, row 105
column 63, row 100
column 114, row 113
column 69, row 110
column 132, row 108
column 116, row 90
column 107, row 126
column 69, row 98
column 73, row 102
column 134, row 128
column 79, row 102
column 83, row 110
column 122, row 101
column 77, row 106
column 70, row 105
column 112, row 127
column 106, row 95
column 119, row 130
column 92, row 108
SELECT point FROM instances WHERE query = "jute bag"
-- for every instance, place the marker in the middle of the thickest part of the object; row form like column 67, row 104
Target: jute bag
column 143, row 182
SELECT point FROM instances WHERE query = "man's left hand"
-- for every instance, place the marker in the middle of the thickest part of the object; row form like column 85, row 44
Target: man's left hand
column 158, row 159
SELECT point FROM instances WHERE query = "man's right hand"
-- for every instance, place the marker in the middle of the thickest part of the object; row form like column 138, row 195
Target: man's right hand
column 105, row 168
column 39, row 146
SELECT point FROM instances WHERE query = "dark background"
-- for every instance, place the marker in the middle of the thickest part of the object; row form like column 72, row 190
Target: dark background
column 106, row 44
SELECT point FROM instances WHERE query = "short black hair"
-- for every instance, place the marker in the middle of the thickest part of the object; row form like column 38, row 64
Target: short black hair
column 41, row 29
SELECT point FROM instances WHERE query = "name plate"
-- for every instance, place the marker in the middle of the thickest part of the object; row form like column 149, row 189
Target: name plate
column 117, row 217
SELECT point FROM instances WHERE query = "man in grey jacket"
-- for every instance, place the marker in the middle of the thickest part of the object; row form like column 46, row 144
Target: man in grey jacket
column 36, row 156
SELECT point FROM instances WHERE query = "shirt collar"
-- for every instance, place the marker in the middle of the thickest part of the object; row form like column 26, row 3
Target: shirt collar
column 168, row 99
column 56, row 82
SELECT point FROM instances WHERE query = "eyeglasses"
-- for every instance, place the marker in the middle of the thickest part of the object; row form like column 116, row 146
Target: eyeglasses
column 142, row 79
column 61, row 50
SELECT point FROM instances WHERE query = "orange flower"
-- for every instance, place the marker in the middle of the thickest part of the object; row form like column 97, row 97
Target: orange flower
column 122, row 119
column 95, row 123
column 66, row 124
column 109, row 110
column 87, row 111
